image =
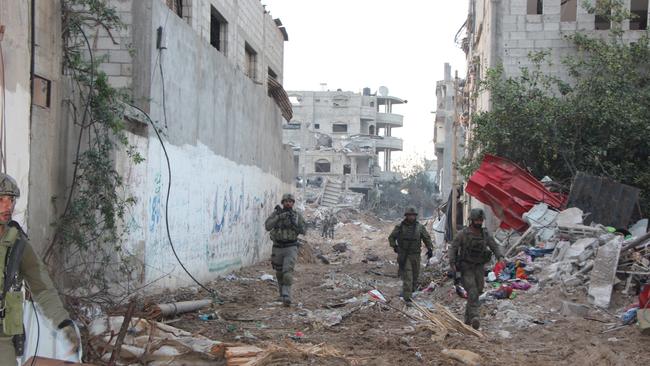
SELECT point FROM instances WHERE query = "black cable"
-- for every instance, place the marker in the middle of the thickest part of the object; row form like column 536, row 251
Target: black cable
column 169, row 186
column 162, row 82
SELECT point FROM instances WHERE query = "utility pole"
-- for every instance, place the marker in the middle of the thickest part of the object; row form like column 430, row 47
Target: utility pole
column 454, row 161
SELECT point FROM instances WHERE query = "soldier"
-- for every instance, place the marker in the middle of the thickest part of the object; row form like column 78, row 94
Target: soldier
column 406, row 241
column 468, row 254
column 326, row 227
column 18, row 262
column 332, row 225
column 285, row 224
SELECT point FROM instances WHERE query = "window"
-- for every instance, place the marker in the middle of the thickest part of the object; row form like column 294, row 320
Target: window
column 340, row 127
column 639, row 9
column 316, row 126
column 602, row 15
column 568, row 10
column 272, row 73
column 251, row 61
column 347, row 169
column 322, row 166
column 535, row 7
column 295, row 100
column 371, row 130
column 42, row 88
column 218, row 30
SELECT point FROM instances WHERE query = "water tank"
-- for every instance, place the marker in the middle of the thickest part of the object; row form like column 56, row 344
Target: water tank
column 366, row 92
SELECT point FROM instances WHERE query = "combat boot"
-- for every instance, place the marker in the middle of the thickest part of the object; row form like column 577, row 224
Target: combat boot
column 476, row 323
column 286, row 295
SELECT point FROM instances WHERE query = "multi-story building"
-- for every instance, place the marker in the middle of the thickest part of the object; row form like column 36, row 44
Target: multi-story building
column 208, row 73
column 344, row 136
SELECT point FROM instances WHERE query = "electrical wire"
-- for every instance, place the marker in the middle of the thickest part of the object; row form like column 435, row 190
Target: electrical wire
column 162, row 82
column 3, row 118
column 169, row 186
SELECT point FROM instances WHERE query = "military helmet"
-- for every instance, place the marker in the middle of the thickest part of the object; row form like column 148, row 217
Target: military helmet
column 288, row 197
column 410, row 211
column 476, row 214
column 8, row 186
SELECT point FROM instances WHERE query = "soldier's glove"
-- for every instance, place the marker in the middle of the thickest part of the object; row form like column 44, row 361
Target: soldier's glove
column 396, row 249
column 429, row 253
column 278, row 209
column 70, row 332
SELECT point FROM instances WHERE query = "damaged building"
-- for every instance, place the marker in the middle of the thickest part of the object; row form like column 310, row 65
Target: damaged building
column 209, row 75
column 346, row 137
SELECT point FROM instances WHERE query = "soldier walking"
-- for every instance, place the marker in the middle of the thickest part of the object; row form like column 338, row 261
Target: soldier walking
column 406, row 240
column 18, row 262
column 468, row 254
column 285, row 224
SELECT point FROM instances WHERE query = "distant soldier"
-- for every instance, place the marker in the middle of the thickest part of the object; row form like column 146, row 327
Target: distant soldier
column 468, row 254
column 332, row 221
column 406, row 240
column 285, row 224
column 326, row 227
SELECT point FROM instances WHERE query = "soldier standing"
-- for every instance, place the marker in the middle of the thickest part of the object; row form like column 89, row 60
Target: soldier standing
column 468, row 254
column 326, row 227
column 285, row 224
column 332, row 225
column 406, row 240
column 18, row 262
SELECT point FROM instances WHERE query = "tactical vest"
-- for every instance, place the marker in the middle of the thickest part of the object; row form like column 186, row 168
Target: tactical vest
column 12, row 247
column 409, row 238
column 285, row 232
column 474, row 248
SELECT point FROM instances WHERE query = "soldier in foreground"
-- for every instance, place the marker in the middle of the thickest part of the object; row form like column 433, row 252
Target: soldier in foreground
column 18, row 262
column 285, row 224
column 406, row 240
column 468, row 254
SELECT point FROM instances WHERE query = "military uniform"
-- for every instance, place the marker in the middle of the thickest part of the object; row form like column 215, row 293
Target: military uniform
column 19, row 262
column 332, row 224
column 406, row 239
column 469, row 253
column 285, row 225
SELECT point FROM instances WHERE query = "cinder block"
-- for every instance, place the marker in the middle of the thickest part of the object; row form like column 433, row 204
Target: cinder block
column 551, row 26
column 111, row 69
column 534, row 27
column 119, row 81
column 119, row 56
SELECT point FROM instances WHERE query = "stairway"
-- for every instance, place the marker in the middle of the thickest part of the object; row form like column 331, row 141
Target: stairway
column 331, row 193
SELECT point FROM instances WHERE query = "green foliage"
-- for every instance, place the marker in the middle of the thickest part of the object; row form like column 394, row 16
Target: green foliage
column 90, row 230
column 598, row 121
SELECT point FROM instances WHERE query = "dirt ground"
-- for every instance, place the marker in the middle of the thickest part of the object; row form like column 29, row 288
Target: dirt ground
column 331, row 307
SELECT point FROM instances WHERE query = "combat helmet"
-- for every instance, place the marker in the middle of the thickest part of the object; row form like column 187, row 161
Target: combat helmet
column 410, row 211
column 288, row 197
column 8, row 186
column 477, row 214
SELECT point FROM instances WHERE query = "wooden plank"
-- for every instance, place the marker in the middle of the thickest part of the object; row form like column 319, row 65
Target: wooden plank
column 242, row 351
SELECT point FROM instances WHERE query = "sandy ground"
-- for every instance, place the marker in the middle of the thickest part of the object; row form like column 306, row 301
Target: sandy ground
column 331, row 308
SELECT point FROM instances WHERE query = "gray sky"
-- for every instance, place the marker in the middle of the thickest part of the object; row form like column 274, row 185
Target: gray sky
column 350, row 44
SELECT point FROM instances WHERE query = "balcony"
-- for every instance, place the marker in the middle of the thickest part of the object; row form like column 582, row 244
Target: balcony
column 389, row 177
column 390, row 143
column 368, row 113
column 389, row 119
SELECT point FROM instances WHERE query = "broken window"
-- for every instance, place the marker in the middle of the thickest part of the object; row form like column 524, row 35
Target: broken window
column 535, row 7
column 272, row 73
column 218, row 30
column 340, row 127
column 322, row 166
column 602, row 21
column 347, row 169
column 568, row 10
column 251, row 61
column 639, row 10
column 316, row 126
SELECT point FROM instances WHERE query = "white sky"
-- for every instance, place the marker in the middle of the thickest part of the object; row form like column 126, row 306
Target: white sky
column 351, row 44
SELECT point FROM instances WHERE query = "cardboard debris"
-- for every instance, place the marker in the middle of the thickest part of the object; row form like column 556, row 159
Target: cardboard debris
column 463, row 356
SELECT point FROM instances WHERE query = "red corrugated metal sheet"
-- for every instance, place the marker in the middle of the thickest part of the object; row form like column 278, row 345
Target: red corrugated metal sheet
column 510, row 191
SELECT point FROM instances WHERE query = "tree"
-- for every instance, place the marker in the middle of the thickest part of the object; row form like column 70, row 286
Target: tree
column 596, row 121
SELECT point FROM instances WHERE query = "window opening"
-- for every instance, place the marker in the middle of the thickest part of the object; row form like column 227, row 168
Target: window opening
column 218, row 30
column 602, row 21
column 251, row 61
column 535, row 7
column 568, row 10
column 322, row 166
column 639, row 10
column 339, row 127
column 316, row 126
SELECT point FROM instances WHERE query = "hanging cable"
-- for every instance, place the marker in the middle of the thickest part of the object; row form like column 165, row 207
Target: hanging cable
column 3, row 119
column 169, row 186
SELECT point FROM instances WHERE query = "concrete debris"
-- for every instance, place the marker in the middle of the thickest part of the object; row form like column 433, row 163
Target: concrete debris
column 640, row 228
column 604, row 272
column 463, row 356
column 569, row 217
column 574, row 309
column 582, row 249
column 575, row 232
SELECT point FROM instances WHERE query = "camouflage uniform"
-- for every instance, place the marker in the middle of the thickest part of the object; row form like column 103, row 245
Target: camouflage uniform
column 468, row 254
column 285, row 225
column 332, row 224
column 406, row 240
column 30, row 269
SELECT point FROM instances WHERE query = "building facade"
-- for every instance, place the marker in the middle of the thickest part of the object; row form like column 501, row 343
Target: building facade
column 209, row 75
column 344, row 136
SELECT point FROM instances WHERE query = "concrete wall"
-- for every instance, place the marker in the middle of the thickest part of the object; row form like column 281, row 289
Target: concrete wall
column 223, row 134
column 15, row 16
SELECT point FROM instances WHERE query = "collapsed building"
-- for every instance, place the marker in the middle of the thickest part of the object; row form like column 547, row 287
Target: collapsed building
column 344, row 138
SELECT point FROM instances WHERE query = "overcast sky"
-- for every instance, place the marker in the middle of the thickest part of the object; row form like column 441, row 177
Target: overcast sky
column 350, row 44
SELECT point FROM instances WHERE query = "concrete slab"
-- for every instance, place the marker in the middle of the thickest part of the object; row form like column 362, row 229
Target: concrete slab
column 604, row 273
